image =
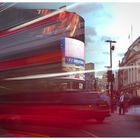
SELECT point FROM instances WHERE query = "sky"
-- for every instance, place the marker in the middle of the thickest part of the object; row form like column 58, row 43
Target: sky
column 110, row 21
column 115, row 21
column 104, row 20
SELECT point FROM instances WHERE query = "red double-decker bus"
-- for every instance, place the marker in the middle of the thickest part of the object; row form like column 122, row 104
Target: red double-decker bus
column 35, row 47
column 31, row 56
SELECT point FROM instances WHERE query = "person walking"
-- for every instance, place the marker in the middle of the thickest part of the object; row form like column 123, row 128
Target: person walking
column 122, row 104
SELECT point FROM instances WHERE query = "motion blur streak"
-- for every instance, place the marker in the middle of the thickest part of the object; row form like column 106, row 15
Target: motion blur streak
column 7, row 7
column 66, row 73
column 89, row 133
column 18, row 133
column 43, row 17
column 37, row 59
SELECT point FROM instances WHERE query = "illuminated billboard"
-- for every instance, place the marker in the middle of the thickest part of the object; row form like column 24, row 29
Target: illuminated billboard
column 65, row 24
column 73, row 57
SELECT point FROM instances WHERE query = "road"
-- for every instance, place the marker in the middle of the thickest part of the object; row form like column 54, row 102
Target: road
column 114, row 126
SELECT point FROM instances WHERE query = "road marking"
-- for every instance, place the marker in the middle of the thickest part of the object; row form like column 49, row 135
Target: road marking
column 89, row 133
column 24, row 133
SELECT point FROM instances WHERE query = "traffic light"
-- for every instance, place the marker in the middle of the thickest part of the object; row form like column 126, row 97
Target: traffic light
column 109, row 73
column 110, row 76
column 112, row 48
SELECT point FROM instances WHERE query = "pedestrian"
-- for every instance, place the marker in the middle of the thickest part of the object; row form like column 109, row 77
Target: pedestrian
column 122, row 104
column 126, row 102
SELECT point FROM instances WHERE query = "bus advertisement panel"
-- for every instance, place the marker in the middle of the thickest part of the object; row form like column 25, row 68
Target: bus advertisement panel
column 73, row 57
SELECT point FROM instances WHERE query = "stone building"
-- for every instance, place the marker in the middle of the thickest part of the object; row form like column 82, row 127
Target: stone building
column 129, row 72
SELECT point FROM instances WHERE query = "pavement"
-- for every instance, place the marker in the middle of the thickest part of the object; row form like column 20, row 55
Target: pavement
column 133, row 112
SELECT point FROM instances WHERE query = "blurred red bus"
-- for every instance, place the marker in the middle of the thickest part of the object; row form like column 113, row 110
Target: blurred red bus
column 35, row 48
column 33, row 104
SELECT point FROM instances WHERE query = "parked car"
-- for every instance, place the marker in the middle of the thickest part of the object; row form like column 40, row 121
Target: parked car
column 100, row 106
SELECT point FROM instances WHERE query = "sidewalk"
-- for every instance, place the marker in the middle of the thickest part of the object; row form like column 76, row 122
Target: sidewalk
column 133, row 112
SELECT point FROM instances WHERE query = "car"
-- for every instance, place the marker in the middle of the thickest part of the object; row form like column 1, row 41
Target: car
column 100, row 106
column 55, row 109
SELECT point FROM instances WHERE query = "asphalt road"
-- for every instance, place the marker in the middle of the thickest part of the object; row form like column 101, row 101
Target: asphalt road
column 114, row 126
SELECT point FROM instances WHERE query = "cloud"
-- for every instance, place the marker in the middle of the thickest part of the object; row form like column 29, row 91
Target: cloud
column 90, row 33
column 99, row 62
column 103, row 38
column 42, row 5
column 120, row 54
column 84, row 8
column 106, row 53
column 88, row 39
column 81, row 8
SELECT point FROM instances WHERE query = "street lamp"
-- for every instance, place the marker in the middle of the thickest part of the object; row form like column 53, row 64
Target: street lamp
column 111, row 49
column 110, row 74
column 107, row 86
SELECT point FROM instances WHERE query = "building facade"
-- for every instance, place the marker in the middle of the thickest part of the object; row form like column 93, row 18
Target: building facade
column 116, row 81
column 90, row 77
column 104, row 83
column 129, row 72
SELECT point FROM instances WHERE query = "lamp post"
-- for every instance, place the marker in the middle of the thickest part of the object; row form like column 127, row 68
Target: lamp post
column 110, row 74
column 107, row 86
